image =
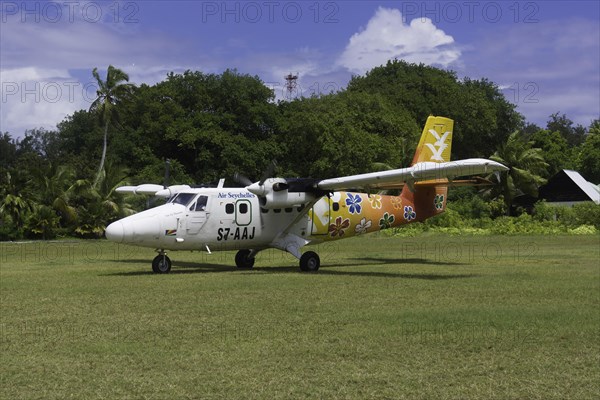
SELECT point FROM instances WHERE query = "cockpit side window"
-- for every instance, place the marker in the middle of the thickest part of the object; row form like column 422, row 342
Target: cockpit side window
column 201, row 203
column 183, row 198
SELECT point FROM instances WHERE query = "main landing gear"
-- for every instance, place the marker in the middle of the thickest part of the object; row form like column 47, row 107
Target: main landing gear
column 244, row 259
column 309, row 261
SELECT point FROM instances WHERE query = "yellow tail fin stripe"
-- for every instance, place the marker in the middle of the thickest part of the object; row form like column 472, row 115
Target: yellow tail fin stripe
column 435, row 144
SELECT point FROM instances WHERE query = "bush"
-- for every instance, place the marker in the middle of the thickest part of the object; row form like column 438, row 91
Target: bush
column 583, row 230
column 475, row 207
column 8, row 232
column 586, row 213
column 449, row 218
column 42, row 223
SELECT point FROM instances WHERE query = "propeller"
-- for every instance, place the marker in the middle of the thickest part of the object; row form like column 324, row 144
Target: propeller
column 245, row 181
column 268, row 172
column 242, row 179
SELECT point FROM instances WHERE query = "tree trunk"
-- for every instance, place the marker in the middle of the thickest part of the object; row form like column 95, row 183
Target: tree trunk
column 103, row 156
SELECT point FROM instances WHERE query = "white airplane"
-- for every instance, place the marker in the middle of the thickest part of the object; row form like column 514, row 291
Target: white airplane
column 288, row 214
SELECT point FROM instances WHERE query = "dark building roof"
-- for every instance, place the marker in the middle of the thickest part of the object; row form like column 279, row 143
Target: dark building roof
column 569, row 186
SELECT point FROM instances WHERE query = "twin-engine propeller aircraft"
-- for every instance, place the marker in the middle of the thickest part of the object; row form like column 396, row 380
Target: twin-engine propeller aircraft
column 288, row 214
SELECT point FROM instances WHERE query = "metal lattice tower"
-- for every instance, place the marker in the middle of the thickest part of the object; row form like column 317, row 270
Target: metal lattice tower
column 291, row 85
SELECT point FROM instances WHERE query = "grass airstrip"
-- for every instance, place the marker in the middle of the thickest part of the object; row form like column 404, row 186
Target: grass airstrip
column 444, row 317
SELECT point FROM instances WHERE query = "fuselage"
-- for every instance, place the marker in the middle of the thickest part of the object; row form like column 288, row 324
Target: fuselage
column 232, row 218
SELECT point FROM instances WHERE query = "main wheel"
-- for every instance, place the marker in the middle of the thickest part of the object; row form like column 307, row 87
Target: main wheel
column 161, row 264
column 243, row 259
column 310, row 261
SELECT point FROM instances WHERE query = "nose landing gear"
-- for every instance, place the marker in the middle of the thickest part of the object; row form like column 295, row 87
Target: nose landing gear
column 161, row 263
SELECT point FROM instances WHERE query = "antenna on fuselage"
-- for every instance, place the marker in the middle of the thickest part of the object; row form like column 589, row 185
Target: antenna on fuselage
column 167, row 173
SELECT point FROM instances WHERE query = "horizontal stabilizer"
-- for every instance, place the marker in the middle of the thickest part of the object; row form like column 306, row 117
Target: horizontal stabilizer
column 474, row 181
column 419, row 172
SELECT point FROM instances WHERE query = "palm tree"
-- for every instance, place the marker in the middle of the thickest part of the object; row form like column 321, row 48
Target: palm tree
column 110, row 93
column 52, row 187
column 101, row 205
column 526, row 164
column 14, row 204
column 115, row 205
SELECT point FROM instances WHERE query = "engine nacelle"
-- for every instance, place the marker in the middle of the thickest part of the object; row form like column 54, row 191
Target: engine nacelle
column 171, row 191
column 284, row 199
column 274, row 193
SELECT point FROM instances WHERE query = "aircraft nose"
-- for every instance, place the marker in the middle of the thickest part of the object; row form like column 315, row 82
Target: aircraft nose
column 115, row 232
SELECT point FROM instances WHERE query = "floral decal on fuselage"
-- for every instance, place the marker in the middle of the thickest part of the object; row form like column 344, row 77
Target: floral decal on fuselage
column 409, row 213
column 353, row 203
column 338, row 228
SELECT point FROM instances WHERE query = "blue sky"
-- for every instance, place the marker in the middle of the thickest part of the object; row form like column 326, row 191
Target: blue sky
column 545, row 55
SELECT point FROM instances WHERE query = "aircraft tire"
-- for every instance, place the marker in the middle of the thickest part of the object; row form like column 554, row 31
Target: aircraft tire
column 310, row 262
column 243, row 261
column 161, row 264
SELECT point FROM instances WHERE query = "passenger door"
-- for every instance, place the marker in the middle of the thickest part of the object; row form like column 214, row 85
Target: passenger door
column 197, row 215
column 243, row 212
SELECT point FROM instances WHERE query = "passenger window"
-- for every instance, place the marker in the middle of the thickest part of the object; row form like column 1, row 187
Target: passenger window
column 229, row 208
column 243, row 208
column 336, row 206
column 289, row 210
column 277, row 210
column 264, row 210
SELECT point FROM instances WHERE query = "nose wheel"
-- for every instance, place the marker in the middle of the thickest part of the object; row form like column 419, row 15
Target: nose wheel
column 161, row 264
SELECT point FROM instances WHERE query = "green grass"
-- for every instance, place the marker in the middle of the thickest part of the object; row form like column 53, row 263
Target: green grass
column 417, row 318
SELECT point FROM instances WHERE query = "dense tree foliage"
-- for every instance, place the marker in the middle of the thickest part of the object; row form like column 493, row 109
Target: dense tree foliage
column 526, row 165
column 484, row 117
column 555, row 150
column 213, row 125
column 588, row 158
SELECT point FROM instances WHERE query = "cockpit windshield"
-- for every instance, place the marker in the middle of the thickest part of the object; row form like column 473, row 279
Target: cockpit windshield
column 183, row 198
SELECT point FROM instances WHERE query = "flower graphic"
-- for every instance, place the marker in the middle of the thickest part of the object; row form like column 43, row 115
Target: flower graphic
column 353, row 203
column 386, row 221
column 397, row 202
column 409, row 213
column 438, row 202
column 375, row 200
column 338, row 228
column 362, row 226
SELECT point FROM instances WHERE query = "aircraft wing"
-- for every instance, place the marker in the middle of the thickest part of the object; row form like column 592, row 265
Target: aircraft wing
column 152, row 189
column 423, row 171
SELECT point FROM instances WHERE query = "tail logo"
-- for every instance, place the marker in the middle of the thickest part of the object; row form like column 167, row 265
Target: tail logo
column 439, row 146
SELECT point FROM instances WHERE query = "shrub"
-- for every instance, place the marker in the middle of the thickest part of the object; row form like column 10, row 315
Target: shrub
column 586, row 213
column 583, row 230
column 42, row 223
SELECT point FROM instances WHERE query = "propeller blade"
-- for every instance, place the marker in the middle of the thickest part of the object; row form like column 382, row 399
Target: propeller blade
column 242, row 179
column 268, row 172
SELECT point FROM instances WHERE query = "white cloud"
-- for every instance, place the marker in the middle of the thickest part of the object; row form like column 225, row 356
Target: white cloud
column 45, row 71
column 386, row 37
column 34, row 97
